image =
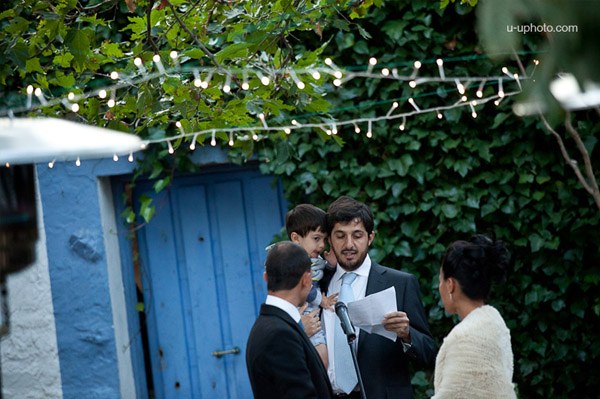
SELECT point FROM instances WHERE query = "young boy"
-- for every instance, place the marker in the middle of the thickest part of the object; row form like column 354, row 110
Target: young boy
column 305, row 225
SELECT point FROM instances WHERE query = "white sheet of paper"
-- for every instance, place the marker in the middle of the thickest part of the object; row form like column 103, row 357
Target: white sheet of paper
column 367, row 313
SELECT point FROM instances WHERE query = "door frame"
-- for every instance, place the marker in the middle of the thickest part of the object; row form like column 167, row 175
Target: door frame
column 126, row 245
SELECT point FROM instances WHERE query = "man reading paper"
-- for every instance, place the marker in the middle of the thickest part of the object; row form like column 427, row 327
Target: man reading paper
column 384, row 364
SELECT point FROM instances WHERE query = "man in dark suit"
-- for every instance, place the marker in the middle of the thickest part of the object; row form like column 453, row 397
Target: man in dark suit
column 281, row 361
column 384, row 364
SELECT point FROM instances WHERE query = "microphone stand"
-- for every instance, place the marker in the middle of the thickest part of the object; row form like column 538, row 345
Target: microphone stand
column 352, row 344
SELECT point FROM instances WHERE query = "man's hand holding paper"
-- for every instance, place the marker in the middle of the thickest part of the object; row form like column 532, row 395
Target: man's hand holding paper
column 368, row 313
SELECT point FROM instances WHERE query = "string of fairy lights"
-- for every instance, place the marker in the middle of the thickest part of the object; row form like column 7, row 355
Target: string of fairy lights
column 202, row 78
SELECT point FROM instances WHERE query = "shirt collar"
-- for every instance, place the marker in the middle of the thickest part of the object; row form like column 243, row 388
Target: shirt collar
column 284, row 305
column 363, row 269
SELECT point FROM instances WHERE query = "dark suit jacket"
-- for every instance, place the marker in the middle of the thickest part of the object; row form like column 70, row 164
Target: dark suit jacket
column 383, row 363
column 281, row 361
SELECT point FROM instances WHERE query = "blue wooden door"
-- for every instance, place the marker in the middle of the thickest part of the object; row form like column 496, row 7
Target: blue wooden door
column 202, row 259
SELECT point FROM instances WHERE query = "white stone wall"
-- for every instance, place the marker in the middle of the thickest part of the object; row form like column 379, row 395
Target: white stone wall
column 29, row 354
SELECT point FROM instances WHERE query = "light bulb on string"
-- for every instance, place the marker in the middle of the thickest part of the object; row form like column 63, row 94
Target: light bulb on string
column 517, row 79
column 227, row 84
column 300, row 84
column 75, row 107
column 38, row 93
column 392, row 108
column 370, row 129
column 51, row 163
column 287, row 130
column 213, row 140
column 263, row 79
column 296, row 123
column 261, row 116
column 140, row 65
column 112, row 102
column 115, row 157
column 316, row 75
column 170, row 147
column 473, row 113
column 197, row 80
column 440, row 64
column 78, row 162
column 204, row 83
column 175, row 57
column 356, row 129
column 403, row 123
column 385, row 72
column 479, row 92
column 416, row 67
column 334, row 129
column 114, row 75
column 415, row 106
column 459, row 86
column 71, row 96
column 159, row 65
column 130, row 157
column 500, row 88
column 7, row 165
column 412, row 84
column 245, row 85
column 29, row 96
column 231, row 139
column 372, row 63
column 102, row 94
column 506, row 72
column 180, row 127
column 439, row 114
column 327, row 131
column 193, row 143
column 337, row 82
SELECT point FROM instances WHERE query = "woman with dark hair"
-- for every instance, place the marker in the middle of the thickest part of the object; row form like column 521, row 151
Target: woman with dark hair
column 476, row 359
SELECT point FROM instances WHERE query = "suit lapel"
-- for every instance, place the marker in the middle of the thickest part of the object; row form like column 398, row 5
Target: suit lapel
column 375, row 282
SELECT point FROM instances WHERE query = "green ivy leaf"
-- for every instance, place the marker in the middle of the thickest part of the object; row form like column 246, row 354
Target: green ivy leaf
column 147, row 208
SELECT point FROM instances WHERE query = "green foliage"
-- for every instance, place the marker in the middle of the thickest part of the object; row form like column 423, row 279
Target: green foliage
column 443, row 180
column 71, row 46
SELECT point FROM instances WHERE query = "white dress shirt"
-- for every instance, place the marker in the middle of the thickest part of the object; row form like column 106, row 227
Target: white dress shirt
column 359, row 288
column 284, row 305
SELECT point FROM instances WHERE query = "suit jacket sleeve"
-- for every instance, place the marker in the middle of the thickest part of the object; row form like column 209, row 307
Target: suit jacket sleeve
column 285, row 366
column 423, row 349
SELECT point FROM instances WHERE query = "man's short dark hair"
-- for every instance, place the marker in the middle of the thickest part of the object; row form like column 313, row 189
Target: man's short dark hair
column 303, row 219
column 286, row 263
column 345, row 209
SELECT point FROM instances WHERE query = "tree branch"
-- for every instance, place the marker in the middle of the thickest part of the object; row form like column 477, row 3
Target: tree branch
column 592, row 183
column 194, row 37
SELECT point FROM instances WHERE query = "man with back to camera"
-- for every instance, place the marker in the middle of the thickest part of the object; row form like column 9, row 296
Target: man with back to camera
column 281, row 360
column 384, row 364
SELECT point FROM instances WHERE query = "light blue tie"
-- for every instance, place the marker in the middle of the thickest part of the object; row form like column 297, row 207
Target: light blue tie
column 345, row 374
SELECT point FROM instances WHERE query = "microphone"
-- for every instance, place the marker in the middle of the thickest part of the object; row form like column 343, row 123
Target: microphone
column 342, row 313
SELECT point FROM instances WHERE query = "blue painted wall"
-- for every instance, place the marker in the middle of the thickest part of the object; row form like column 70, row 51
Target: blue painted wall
column 79, row 276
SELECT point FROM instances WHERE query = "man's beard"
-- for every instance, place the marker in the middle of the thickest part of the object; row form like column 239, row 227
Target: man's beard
column 353, row 265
